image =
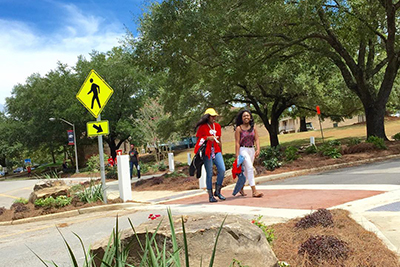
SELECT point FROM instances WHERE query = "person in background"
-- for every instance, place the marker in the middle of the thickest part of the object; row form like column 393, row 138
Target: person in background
column 65, row 166
column 210, row 131
column 29, row 169
column 134, row 160
column 246, row 137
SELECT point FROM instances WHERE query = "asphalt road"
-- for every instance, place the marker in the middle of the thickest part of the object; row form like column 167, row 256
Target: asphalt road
column 387, row 172
column 12, row 190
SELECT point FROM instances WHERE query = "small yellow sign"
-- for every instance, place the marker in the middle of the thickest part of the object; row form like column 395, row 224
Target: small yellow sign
column 94, row 93
column 95, row 128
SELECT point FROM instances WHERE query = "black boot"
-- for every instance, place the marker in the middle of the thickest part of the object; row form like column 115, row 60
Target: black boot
column 217, row 192
column 211, row 198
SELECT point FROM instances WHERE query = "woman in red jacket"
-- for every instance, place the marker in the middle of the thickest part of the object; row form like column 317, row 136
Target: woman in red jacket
column 210, row 131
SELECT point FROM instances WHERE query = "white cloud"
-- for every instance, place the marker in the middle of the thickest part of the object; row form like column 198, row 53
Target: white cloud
column 23, row 51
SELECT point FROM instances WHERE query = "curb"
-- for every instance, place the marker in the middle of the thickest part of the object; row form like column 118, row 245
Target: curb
column 70, row 213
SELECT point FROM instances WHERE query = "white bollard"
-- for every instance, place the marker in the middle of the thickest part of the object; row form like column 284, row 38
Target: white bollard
column 189, row 158
column 312, row 140
column 124, row 179
column 203, row 177
column 171, row 162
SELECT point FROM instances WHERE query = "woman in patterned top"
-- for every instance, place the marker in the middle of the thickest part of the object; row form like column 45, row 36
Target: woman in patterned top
column 245, row 138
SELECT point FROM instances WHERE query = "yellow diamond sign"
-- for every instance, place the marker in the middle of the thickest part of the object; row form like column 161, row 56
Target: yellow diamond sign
column 95, row 128
column 94, row 93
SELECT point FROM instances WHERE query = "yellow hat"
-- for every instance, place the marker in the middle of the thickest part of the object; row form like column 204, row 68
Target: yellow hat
column 211, row 111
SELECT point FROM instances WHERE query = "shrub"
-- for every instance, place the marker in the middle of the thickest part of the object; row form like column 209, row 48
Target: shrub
column 312, row 149
column 268, row 232
column 174, row 174
column 21, row 200
column 396, row 136
column 112, row 173
column 353, row 141
column 324, row 248
column 321, row 217
column 272, row 164
column 50, row 202
column 377, row 141
column 91, row 194
column 334, row 143
column 271, row 157
column 93, row 163
column 291, row 153
column 270, row 152
column 229, row 159
column 331, row 149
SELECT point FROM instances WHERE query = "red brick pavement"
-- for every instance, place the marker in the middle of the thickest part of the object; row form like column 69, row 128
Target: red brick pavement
column 285, row 198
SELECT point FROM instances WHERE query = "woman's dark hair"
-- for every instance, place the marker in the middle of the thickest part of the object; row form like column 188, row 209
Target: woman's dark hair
column 239, row 120
column 203, row 120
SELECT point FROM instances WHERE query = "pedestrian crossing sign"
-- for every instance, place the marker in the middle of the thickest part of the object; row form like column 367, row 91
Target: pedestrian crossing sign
column 94, row 93
column 95, row 128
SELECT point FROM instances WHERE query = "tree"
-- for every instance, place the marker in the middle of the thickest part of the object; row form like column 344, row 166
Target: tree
column 359, row 37
column 195, row 43
column 152, row 123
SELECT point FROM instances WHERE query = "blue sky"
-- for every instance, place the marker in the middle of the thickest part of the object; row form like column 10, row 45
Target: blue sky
column 36, row 34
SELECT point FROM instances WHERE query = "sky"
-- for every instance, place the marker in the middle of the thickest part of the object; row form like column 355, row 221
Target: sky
column 36, row 34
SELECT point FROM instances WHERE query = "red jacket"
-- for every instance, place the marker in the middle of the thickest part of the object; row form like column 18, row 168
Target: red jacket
column 207, row 130
column 235, row 169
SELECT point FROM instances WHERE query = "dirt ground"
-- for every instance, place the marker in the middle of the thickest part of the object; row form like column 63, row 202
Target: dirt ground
column 357, row 247
column 185, row 182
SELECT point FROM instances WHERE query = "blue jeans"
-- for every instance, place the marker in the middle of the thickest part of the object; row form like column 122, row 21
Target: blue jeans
column 131, row 163
column 208, row 164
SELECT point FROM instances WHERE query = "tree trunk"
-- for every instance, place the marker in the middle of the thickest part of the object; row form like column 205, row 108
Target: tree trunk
column 375, row 117
column 303, row 125
column 273, row 133
column 53, row 156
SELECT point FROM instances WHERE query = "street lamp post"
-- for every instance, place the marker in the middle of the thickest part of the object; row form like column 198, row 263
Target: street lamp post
column 76, row 151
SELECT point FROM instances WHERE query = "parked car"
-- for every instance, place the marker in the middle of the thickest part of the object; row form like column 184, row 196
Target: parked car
column 309, row 126
column 18, row 170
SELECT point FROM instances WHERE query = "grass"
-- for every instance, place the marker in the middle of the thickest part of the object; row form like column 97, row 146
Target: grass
column 343, row 134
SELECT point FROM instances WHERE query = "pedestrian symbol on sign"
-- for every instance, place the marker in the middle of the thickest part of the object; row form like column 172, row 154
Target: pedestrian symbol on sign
column 89, row 94
column 95, row 89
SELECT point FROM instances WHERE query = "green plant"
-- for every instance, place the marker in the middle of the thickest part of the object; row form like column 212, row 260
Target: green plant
column 270, row 152
column 237, row 263
column 93, row 163
column 112, row 172
column 354, row 141
column 51, row 175
column 271, row 157
column 229, row 159
column 334, row 143
column 291, row 153
column 174, row 174
column 268, row 232
column 272, row 164
column 377, row 141
column 49, row 202
column 396, row 136
column 21, row 200
column 331, row 149
column 116, row 253
column 92, row 194
column 312, row 149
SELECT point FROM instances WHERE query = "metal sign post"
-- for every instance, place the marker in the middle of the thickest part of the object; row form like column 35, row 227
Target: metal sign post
column 102, row 171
